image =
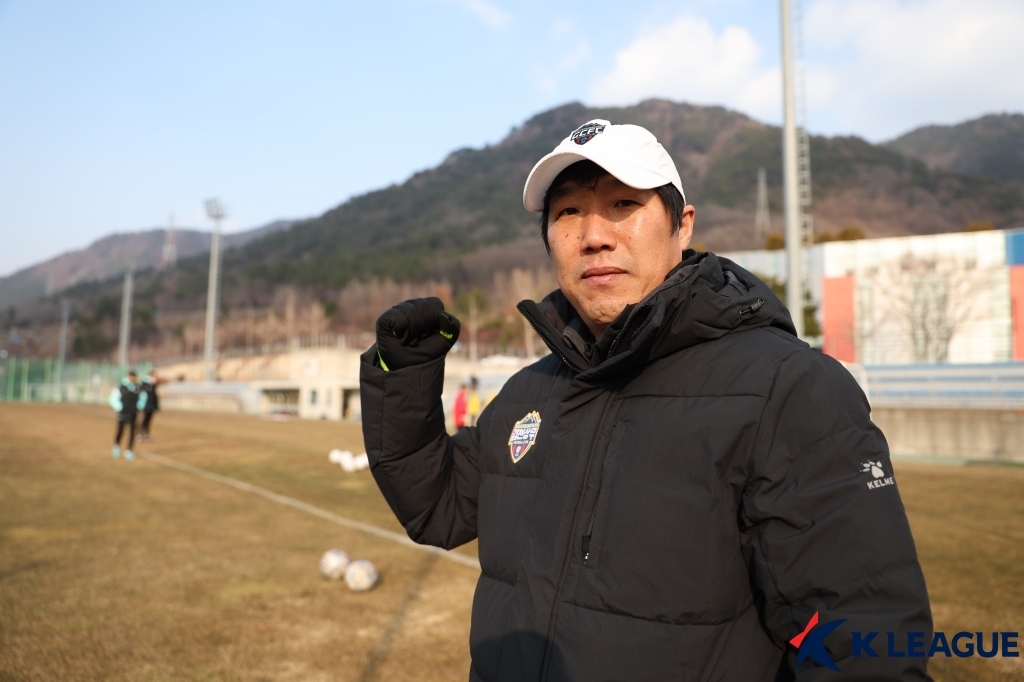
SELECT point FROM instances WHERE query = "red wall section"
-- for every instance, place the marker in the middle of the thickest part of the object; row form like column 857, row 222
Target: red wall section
column 838, row 318
column 1017, row 309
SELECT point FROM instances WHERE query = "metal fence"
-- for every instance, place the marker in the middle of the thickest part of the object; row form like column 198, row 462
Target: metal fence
column 45, row 380
column 998, row 386
column 361, row 340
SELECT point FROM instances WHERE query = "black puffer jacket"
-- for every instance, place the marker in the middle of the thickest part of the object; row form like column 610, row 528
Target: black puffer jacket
column 695, row 493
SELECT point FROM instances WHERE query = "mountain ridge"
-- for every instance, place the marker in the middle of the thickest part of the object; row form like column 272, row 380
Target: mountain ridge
column 106, row 256
column 425, row 225
column 990, row 146
column 453, row 221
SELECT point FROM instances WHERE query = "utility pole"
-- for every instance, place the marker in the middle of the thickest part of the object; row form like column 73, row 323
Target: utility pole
column 289, row 319
column 474, row 325
column 762, row 219
column 250, row 328
column 126, row 320
column 216, row 213
column 169, row 255
column 65, row 307
column 791, row 190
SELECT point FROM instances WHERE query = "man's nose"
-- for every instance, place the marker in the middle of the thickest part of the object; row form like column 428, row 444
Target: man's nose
column 598, row 234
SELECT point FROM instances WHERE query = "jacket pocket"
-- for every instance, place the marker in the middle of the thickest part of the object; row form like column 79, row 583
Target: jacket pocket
column 592, row 537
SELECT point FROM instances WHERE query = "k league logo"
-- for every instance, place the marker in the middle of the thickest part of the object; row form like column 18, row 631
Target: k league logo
column 810, row 644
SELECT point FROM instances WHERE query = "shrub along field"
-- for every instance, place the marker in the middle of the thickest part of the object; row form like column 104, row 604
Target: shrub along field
column 118, row 570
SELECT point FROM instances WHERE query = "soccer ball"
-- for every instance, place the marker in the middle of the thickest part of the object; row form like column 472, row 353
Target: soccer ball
column 361, row 576
column 342, row 457
column 333, row 564
column 346, row 461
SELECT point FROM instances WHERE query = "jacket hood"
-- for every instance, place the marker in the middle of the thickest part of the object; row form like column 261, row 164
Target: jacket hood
column 703, row 298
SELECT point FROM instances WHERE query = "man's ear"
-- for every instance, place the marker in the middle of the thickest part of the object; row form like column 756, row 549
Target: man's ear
column 685, row 233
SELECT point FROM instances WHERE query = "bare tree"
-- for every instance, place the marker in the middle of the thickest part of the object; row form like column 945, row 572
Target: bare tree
column 517, row 285
column 933, row 298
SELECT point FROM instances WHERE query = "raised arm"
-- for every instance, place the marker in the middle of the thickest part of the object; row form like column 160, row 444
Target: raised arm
column 430, row 479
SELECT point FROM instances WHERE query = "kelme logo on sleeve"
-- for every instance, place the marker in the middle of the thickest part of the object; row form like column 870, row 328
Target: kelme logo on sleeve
column 524, row 435
column 878, row 477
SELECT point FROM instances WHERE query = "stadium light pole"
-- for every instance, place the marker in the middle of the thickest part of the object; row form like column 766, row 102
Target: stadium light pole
column 65, row 307
column 125, row 337
column 791, row 192
column 216, row 213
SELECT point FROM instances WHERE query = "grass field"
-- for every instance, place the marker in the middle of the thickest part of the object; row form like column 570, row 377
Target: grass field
column 135, row 571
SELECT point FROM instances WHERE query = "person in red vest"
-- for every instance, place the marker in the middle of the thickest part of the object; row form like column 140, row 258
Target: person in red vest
column 460, row 407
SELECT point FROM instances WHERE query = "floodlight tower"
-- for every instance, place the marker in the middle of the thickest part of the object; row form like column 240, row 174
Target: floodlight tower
column 125, row 337
column 65, row 308
column 791, row 190
column 803, row 138
column 216, row 213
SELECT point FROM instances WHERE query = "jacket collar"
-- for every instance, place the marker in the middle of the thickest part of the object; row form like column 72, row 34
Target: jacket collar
column 704, row 298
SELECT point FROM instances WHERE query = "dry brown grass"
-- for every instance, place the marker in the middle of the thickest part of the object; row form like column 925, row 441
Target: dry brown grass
column 133, row 571
column 968, row 523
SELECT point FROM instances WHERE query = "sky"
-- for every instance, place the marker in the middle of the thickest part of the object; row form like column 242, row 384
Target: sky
column 115, row 114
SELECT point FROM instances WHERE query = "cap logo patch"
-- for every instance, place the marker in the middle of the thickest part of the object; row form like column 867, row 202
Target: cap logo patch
column 524, row 435
column 586, row 132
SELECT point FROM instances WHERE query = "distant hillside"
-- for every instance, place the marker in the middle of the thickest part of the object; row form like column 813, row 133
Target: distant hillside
column 106, row 257
column 427, row 225
column 463, row 220
column 990, row 146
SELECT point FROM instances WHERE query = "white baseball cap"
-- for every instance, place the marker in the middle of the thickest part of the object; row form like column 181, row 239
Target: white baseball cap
column 630, row 153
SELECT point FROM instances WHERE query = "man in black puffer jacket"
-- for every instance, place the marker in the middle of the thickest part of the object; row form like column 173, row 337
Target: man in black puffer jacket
column 682, row 490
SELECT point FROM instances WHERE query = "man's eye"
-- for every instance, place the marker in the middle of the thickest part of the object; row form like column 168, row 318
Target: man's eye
column 624, row 202
column 568, row 211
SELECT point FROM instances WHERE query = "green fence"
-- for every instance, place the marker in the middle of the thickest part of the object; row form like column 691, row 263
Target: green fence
column 43, row 380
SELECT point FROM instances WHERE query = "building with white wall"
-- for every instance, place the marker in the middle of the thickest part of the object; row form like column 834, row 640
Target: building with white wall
column 952, row 298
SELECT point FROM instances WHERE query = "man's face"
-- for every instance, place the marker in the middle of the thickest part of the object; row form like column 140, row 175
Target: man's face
column 611, row 245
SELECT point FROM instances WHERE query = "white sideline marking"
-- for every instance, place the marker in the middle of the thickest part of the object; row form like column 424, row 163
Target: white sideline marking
column 310, row 509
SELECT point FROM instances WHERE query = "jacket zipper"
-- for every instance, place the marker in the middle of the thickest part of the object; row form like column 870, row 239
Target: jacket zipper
column 597, row 501
column 553, row 347
column 568, row 554
column 625, row 328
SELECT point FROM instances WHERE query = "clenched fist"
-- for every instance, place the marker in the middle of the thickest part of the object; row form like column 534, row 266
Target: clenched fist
column 414, row 332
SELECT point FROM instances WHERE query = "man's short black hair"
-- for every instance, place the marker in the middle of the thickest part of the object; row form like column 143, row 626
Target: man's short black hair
column 586, row 174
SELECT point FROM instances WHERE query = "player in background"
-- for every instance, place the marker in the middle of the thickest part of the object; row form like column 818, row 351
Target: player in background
column 149, row 384
column 127, row 399
column 459, row 410
column 473, row 407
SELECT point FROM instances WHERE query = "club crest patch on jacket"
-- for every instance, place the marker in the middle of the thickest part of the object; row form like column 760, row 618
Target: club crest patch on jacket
column 524, row 435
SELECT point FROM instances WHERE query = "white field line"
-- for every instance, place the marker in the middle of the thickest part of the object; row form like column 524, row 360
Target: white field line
column 310, row 509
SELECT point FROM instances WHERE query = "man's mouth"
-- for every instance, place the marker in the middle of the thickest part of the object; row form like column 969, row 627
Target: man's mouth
column 602, row 274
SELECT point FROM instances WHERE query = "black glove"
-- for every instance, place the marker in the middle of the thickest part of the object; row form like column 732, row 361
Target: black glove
column 414, row 332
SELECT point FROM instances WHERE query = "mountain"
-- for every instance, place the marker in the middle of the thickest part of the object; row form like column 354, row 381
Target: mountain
column 430, row 225
column 463, row 220
column 991, row 146
column 106, row 257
